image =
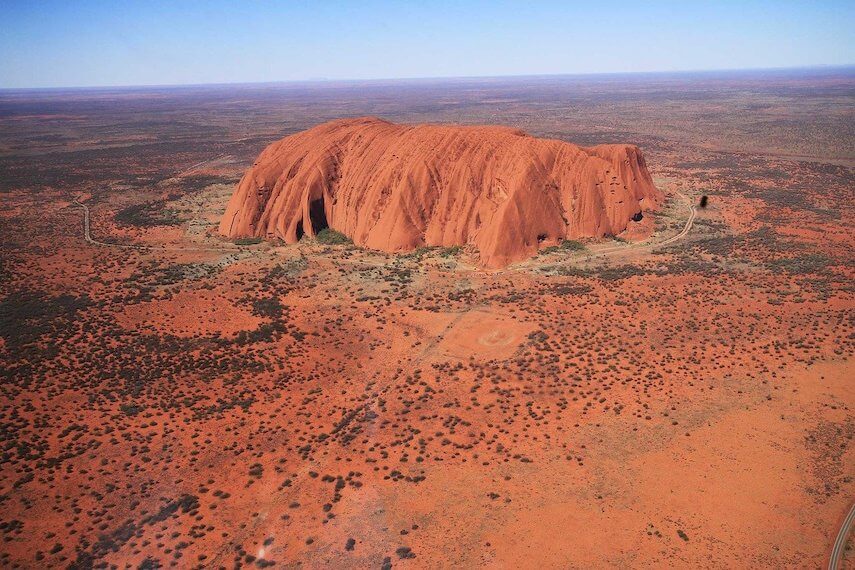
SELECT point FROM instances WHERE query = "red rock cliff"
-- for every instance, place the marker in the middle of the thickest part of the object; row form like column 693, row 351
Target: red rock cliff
column 397, row 187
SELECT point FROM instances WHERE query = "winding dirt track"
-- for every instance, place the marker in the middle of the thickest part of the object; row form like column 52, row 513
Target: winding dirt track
column 840, row 542
column 621, row 249
column 87, row 235
column 87, row 221
column 693, row 212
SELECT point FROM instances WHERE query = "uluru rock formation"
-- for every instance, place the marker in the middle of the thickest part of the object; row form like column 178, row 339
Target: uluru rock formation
column 398, row 187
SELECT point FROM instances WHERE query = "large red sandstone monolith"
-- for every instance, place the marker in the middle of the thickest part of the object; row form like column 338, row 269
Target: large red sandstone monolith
column 398, row 187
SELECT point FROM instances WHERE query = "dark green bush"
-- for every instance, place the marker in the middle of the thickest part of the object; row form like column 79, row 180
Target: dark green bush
column 248, row 241
column 329, row 236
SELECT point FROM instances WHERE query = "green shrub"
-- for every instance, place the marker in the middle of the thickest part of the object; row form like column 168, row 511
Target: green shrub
column 248, row 241
column 147, row 215
column 572, row 245
column 329, row 236
column 566, row 245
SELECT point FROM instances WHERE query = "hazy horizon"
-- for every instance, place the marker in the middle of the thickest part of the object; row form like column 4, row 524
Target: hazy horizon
column 678, row 73
column 88, row 44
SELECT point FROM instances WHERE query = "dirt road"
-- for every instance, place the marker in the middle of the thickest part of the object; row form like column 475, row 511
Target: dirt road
column 614, row 250
column 840, row 543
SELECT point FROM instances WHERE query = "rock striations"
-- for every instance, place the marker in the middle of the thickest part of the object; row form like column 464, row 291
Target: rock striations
column 398, row 187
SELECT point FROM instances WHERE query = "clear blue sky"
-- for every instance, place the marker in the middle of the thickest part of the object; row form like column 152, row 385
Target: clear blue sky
column 46, row 43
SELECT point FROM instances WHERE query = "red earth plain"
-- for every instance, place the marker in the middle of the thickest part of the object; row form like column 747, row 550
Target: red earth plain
column 677, row 395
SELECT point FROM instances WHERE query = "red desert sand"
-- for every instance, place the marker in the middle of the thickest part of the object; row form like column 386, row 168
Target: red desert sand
column 399, row 187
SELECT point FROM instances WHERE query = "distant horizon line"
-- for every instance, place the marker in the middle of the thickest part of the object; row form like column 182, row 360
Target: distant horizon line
column 380, row 80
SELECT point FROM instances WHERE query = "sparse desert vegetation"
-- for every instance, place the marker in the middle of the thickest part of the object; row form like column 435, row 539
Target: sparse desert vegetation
column 205, row 403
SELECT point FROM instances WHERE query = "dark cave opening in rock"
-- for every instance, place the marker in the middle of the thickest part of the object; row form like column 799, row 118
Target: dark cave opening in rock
column 318, row 216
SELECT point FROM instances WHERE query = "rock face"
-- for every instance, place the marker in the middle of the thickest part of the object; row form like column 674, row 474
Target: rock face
column 398, row 187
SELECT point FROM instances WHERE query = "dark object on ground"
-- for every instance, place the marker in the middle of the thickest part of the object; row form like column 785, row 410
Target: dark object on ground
column 704, row 201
